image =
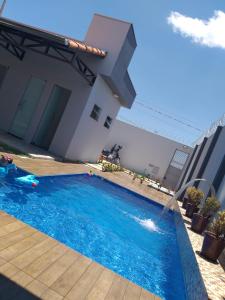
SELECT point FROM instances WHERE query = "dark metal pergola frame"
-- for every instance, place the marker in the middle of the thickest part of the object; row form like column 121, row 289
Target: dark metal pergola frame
column 17, row 42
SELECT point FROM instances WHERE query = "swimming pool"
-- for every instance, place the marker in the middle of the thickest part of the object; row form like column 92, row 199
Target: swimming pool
column 105, row 222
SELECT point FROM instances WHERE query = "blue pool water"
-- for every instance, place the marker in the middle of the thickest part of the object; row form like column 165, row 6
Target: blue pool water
column 105, row 222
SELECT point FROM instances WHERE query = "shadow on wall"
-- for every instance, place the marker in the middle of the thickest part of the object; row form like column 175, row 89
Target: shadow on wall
column 11, row 290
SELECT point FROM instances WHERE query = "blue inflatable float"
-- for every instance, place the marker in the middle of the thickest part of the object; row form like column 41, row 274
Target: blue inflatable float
column 28, row 180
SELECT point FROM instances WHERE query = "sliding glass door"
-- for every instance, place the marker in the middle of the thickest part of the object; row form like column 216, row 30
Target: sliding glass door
column 51, row 117
column 27, row 106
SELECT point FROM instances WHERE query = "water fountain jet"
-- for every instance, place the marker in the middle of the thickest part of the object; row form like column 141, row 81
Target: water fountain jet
column 172, row 202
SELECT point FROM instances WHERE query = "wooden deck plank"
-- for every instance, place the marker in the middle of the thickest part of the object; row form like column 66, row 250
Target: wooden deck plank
column 11, row 227
column 51, row 295
column 22, row 278
column 3, row 213
column 50, row 275
column 26, row 258
column 86, row 282
column 8, row 270
column 65, row 282
column 102, row 286
column 43, row 262
column 39, row 236
column 36, row 288
column 117, row 289
column 14, row 226
column 15, row 237
column 2, row 231
column 2, row 261
column 18, row 248
column 145, row 295
column 132, row 292
column 4, row 220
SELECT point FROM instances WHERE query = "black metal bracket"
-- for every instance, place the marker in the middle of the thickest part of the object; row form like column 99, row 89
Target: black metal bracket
column 7, row 42
column 17, row 42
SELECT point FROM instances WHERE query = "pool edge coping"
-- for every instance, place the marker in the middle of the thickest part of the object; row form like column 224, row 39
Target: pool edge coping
column 144, row 198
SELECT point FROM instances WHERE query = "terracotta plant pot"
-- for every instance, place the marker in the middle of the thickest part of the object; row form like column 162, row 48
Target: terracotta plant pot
column 184, row 204
column 199, row 223
column 190, row 210
column 212, row 247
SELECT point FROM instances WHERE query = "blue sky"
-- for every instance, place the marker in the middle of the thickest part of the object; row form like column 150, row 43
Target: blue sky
column 172, row 75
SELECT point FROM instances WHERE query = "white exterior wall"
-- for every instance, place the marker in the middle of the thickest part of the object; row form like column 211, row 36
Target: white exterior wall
column 108, row 34
column 90, row 135
column 141, row 148
column 53, row 72
column 120, row 48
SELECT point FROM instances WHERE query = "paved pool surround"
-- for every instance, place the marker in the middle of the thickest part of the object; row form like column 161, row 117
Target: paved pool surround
column 194, row 284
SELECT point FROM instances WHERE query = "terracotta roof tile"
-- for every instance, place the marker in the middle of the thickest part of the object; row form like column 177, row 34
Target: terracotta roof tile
column 85, row 48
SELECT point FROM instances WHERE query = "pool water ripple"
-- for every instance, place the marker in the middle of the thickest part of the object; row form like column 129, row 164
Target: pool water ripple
column 109, row 224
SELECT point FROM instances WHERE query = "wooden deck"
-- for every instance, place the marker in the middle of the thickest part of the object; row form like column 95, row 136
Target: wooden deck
column 35, row 266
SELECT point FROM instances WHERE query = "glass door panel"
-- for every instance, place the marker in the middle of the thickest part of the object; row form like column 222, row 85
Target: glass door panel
column 27, row 106
column 51, row 117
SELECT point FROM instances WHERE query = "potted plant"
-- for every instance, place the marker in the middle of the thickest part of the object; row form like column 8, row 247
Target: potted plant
column 159, row 185
column 184, row 202
column 200, row 220
column 187, row 198
column 107, row 167
column 134, row 176
column 142, row 178
column 194, row 198
column 214, row 240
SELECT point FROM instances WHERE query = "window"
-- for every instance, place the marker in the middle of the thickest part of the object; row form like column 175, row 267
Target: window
column 108, row 122
column 95, row 112
column 179, row 159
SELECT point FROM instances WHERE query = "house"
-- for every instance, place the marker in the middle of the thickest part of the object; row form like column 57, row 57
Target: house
column 61, row 94
column 148, row 153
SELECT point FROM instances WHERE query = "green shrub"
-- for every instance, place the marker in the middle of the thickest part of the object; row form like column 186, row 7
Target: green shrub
column 109, row 167
column 135, row 176
column 194, row 195
column 211, row 206
column 142, row 178
column 217, row 227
